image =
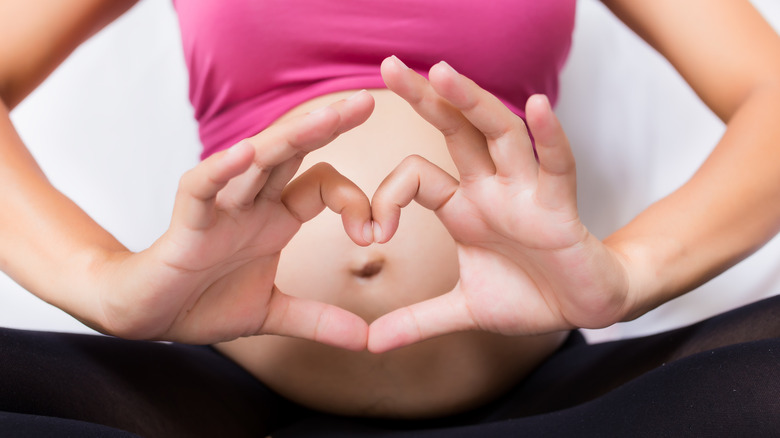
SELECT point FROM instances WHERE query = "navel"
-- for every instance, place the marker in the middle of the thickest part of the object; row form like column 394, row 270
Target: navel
column 368, row 269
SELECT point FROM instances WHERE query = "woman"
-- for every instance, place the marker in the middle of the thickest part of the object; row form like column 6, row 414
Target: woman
column 201, row 281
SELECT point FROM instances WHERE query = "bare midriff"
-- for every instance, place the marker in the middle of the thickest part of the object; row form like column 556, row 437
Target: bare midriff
column 436, row 377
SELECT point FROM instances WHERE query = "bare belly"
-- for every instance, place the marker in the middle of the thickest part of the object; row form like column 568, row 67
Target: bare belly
column 436, row 377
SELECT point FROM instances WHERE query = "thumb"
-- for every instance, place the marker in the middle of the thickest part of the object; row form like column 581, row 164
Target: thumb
column 313, row 320
column 437, row 316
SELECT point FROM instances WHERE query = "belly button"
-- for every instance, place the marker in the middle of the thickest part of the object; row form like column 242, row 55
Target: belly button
column 368, row 269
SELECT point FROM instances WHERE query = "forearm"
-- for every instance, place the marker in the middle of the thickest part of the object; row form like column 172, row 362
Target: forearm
column 47, row 243
column 726, row 211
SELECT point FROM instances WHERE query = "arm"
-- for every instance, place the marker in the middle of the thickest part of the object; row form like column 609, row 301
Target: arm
column 47, row 243
column 39, row 35
column 210, row 277
column 728, row 209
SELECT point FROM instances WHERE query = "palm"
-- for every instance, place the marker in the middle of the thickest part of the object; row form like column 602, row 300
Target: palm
column 218, row 273
column 501, row 246
column 490, row 212
column 236, row 237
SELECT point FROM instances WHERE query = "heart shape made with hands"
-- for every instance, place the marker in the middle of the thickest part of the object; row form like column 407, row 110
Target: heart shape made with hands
column 418, row 266
column 512, row 213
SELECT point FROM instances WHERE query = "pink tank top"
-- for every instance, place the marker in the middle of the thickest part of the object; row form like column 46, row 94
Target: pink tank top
column 250, row 61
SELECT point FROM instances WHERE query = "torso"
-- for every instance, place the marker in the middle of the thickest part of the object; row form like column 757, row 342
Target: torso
column 252, row 61
column 436, row 377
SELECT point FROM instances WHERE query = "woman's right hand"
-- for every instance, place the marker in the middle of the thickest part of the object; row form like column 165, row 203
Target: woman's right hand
column 210, row 277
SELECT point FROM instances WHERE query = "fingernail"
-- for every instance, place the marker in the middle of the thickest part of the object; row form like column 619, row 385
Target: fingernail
column 447, row 66
column 235, row 147
column 398, row 61
column 317, row 111
column 368, row 232
column 354, row 96
column 539, row 100
column 243, row 144
column 377, row 232
column 546, row 101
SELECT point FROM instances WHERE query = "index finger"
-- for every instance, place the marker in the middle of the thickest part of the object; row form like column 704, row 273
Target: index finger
column 287, row 142
column 322, row 186
column 308, row 132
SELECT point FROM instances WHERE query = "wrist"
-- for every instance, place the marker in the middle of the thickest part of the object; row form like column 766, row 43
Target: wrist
column 647, row 262
column 93, row 283
column 121, row 281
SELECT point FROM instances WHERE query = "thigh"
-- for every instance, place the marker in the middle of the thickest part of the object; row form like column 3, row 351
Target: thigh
column 152, row 389
column 727, row 392
column 35, row 426
column 714, row 378
column 581, row 372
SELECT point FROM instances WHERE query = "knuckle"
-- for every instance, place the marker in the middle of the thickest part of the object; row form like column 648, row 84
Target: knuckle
column 188, row 182
column 260, row 165
column 186, row 179
column 414, row 161
column 348, row 194
column 453, row 129
column 243, row 204
column 412, row 164
column 323, row 169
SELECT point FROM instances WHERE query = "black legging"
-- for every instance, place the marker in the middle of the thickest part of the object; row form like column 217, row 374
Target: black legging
column 719, row 377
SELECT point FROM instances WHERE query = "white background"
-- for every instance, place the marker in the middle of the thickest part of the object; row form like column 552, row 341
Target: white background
column 113, row 129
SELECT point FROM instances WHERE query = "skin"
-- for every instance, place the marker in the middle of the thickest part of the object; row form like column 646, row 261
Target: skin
column 514, row 220
column 436, row 377
column 675, row 245
column 206, row 280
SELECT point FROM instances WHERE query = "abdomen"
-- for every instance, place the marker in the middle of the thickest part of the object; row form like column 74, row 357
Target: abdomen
column 436, row 377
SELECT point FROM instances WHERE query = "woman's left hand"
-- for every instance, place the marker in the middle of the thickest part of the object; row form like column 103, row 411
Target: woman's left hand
column 527, row 263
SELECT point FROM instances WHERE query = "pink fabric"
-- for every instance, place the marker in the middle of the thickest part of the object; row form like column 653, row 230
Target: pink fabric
column 250, row 61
